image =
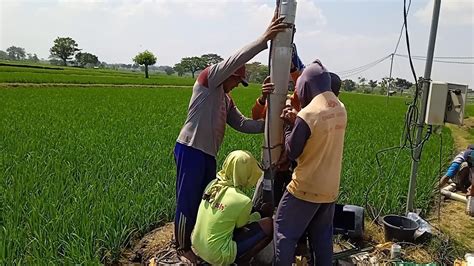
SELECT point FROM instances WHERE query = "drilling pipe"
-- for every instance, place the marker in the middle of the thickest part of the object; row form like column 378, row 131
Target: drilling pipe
column 280, row 55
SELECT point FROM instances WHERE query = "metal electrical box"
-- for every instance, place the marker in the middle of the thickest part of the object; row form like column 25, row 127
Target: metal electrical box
column 436, row 105
column 457, row 95
column 446, row 103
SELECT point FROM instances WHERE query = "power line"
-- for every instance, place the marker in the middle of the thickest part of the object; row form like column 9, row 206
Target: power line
column 445, row 57
column 363, row 70
column 401, row 31
column 421, row 58
column 360, row 69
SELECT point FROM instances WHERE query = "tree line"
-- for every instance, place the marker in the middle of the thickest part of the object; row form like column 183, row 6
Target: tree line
column 65, row 51
column 386, row 84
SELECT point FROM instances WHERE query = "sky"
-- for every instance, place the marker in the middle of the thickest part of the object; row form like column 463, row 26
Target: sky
column 343, row 34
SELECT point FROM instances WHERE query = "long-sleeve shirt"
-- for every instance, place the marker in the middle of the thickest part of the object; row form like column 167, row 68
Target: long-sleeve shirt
column 210, row 108
column 215, row 224
column 316, row 143
column 260, row 110
column 456, row 163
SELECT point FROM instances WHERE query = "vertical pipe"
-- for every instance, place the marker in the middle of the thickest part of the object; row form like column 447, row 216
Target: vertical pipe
column 421, row 118
column 279, row 73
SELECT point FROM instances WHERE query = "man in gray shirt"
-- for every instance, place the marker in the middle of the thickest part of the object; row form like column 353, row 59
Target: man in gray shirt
column 210, row 108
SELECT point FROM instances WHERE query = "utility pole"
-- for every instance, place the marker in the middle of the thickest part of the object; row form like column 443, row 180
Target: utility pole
column 421, row 117
column 390, row 76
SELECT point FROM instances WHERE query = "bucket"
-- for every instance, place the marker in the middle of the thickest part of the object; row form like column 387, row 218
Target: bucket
column 398, row 228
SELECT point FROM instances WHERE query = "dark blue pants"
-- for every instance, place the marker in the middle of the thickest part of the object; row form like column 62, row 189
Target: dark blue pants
column 315, row 218
column 247, row 237
column 194, row 170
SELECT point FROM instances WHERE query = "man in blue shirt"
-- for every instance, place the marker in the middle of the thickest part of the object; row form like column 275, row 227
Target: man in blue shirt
column 459, row 171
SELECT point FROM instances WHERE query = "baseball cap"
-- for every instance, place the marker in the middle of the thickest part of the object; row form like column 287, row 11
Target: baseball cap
column 243, row 77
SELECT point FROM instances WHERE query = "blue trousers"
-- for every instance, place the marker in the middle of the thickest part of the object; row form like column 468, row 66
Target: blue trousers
column 194, row 170
column 293, row 218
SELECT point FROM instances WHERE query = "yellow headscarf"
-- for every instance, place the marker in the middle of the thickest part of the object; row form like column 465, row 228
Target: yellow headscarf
column 240, row 169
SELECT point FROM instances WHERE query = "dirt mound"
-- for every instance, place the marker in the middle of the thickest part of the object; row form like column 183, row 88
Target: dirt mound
column 157, row 243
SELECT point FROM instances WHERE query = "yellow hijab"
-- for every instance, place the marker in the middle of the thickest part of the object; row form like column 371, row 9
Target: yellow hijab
column 240, row 170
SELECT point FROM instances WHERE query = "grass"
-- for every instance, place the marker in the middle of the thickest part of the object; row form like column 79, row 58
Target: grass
column 12, row 74
column 469, row 110
column 84, row 170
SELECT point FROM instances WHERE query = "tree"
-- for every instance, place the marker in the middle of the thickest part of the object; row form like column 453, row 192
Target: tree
column 348, row 85
column 362, row 85
column 168, row 70
column 385, row 85
column 256, row 72
column 64, row 48
column 33, row 58
column 16, row 53
column 146, row 58
column 402, row 84
column 193, row 64
column 211, row 59
column 83, row 59
column 55, row 62
column 3, row 55
column 372, row 84
column 179, row 69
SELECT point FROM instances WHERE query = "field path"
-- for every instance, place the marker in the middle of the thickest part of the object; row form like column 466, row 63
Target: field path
column 453, row 220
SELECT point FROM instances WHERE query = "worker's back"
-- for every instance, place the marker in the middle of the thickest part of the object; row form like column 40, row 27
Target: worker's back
column 317, row 176
column 216, row 221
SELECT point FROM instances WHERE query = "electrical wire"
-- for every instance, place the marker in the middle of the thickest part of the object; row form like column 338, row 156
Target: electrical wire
column 401, row 32
column 363, row 66
column 436, row 60
column 358, row 70
column 439, row 173
column 442, row 57
column 267, row 124
column 410, row 124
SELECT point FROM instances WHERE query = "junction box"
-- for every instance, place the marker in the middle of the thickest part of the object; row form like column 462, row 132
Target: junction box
column 446, row 103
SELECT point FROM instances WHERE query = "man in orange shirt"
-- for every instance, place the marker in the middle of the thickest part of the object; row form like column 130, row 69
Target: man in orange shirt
column 259, row 109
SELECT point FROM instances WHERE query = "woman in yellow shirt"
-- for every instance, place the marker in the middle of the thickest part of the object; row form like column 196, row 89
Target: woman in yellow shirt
column 226, row 229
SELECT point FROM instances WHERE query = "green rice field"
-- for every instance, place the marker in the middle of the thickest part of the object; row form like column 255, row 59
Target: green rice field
column 85, row 170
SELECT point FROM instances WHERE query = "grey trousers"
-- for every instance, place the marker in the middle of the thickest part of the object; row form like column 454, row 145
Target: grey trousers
column 293, row 218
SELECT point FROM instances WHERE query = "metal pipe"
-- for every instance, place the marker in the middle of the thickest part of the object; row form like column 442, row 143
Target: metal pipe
column 279, row 74
column 421, row 118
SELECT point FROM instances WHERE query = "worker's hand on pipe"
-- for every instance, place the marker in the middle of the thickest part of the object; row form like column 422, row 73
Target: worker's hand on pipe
column 276, row 26
column 443, row 181
column 289, row 115
column 267, row 89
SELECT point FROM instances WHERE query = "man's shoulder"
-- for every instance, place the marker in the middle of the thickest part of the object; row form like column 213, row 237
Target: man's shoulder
column 203, row 78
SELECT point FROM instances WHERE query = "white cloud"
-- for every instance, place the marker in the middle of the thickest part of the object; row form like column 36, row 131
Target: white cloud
column 116, row 30
column 343, row 51
column 309, row 14
column 453, row 12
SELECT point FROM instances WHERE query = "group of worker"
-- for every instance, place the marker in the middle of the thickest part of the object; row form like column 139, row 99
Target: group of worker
column 214, row 219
